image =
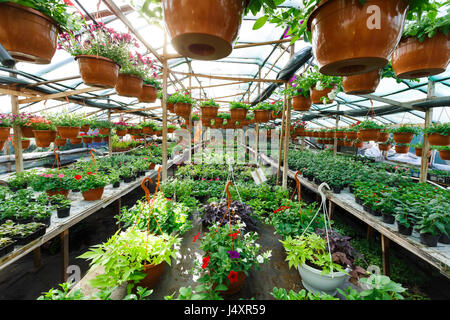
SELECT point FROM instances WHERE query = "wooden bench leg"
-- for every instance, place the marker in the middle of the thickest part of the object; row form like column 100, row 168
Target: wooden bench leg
column 369, row 232
column 116, row 209
column 37, row 257
column 330, row 209
column 65, row 254
column 385, row 244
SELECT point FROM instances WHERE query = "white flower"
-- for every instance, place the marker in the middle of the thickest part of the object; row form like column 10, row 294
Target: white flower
column 257, row 245
column 260, row 259
column 238, row 249
column 332, row 95
column 319, row 86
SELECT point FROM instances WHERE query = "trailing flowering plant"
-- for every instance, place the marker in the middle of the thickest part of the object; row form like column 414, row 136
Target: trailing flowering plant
column 153, row 82
column 179, row 97
column 22, row 119
column 209, row 103
column 121, row 125
column 239, row 105
column 51, row 180
column 227, row 252
column 89, row 181
column 299, row 124
column 40, row 123
column 300, row 86
column 5, row 120
column 98, row 39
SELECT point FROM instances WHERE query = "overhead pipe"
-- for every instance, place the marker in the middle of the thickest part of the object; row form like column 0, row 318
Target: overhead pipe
column 5, row 58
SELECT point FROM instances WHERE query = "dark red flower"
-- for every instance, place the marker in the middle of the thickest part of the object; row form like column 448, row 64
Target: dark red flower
column 196, row 237
column 89, row 173
column 234, row 235
column 205, row 262
column 233, row 276
column 77, row 177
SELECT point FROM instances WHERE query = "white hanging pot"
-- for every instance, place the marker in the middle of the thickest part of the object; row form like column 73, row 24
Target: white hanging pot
column 313, row 280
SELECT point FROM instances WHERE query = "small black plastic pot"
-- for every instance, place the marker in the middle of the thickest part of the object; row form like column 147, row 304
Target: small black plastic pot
column 404, row 230
column 428, row 239
column 116, row 184
column 444, row 238
column 128, row 179
column 21, row 220
column 7, row 248
column 45, row 221
column 388, row 218
column 336, row 189
column 63, row 213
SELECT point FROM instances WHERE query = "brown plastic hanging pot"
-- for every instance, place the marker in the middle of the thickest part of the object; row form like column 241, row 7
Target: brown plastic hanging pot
column 206, row 122
column 128, row 85
column 68, row 132
column 2, row 144
column 368, row 134
column 4, row 133
column 301, row 103
column 437, row 139
column 414, row 59
column 209, row 112
column 362, row 83
column 153, row 275
column 85, row 128
column 25, row 144
column 27, row 132
column 98, row 71
column 97, row 139
column 218, row 122
column 148, row 94
column 383, row 136
column 444, row 154
column 43, row 138
column 358, row 144
column 348, row 143
column 93, row 195
column 203, row 30
column 121, row 133
column 317, row 95
column 384, row 146
column 238, row 114
column 349, row 38
column 183, row 110
column 401, row 149
column 87, row 139
column 352, row 135
column 27, row 34
column 75, row 140
column 262, row 116
column 403, row 137
column 279, row 114
column 104, row 131
column 171, row 107
column 59, row 142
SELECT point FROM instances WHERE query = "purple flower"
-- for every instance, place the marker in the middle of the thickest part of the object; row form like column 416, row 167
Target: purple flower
column 234, row 254
column 285, row 34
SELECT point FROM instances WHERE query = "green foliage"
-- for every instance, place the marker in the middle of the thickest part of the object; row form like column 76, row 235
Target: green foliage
column 239, row 105
column 282, row 294
column 441, row 128
column 179, row 97
column 209, row 103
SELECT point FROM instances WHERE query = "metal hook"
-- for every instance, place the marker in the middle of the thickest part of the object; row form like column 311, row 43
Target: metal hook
column 228, row 191
column 147, row 192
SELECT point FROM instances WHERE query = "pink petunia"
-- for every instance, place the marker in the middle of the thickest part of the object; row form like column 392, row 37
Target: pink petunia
column 61, row 175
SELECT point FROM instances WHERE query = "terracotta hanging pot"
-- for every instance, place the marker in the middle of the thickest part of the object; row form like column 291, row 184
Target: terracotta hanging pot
column 352, row 135
column 75, row 140
column 183, row 110
column 27, row 132
column 414, row 59
column 366, row 39
column 358, row 144
column 209, row 112
column 403, row 137
column 68, row 132
column 368, row 134
column 171, row 107
column 128, row 85
column 401, row 149
column 362, row 83
column 262, row 116
column 85, row 128
column 97, row 139
column 43, row 138
column 348, row 143
column 104, row 131
column 147, row 130
column 98, row 71
column 436, row 139
column 419, row 152
column 340, row 143
column 203, row 30
column 62, row 192
column 25, row 144
column 444, row 154
column 59, row 142
column 27, row 34
column 153, row 275
column 2, row 144
column 206, row 122
column 279, row 114
column 340, row 134
column 148, row 94
column 87, row 139
column 317, row 95
column 4, row 133
column 238, row 114
column 121, row 133
column 383, row 136
column 93, row 195
column 384, row 146
column 329, row 134
column 218, row 121
column 301, row 103
column 172, row 130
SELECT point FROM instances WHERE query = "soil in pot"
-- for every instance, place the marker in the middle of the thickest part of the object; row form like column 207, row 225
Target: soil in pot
column 128, row 85
column 27, row 34
column 98, row 71
column 301, row 103
column 365, row 44
column 429, row 239
column 63, row 213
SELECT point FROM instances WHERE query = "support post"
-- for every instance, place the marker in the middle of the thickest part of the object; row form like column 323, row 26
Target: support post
column 18, row 156
column 281, row 137
column 335, row 137
column 109, row 136
column 385, row 246
column 37, row 257
column 64, row 254
column 425, row 143
column 164, row 111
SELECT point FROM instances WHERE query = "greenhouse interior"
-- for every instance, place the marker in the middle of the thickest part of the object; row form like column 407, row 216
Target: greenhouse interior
column 224, row 150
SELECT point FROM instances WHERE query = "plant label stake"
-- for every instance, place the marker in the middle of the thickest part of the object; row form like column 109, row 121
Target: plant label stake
column 299, row 194
column 258, row 176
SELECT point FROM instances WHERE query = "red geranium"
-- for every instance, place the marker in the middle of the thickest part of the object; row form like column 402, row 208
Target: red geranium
column 196, row 237
column 77, row 177
column 233, row 276
column 205, row 262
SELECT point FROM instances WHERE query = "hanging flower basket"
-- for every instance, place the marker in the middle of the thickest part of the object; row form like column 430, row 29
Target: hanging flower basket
column 383, row 136
column 172, row 130
column 153, row 275
column 358, row 144
column 343, row 24
column 87, row 139
column 209, row 112
column 25, row 144
column 317, row 95
column 352, row 135
column 59, row 142
column 301, row 103
column 85, row 128
column 316, row 281
column 4, row 133
column 27, row 34
column 362, row 83
column 104, row 131
column 62, row 192
column 43, row 138
column 329, row 134
column 171, row 107
column 368, row 134
column 128, row 85
column 238, row 114
column 206, row 122
column 93, row 195
column 262, row 116
column 98, row 71
column 403, row 137
column 148, row 94
column 419, row 152
column 414, row 59
column 278, row 115
column 96, row 139
column 27, row 132
column 401, row 148
column 436, row 139
column 348, row 143
column 444, row 154
column 218, row 122
column 203, row 30
column 76, row 140
column 68, row 132
column 384, row 146
column 183, row 110
column 121, row 133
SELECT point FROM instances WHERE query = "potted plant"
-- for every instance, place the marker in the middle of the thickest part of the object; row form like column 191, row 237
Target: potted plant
column 114, row 179
column 209, row 109
column 444, row 151
column 362, row 83
column 385, row 146
column 103, row 126
column 44, row 132
column 422, row 51
column 62, row 205
column 29, row 30
column 87, row 139
column 262, row 112
column 23, row 120
column 85, row 124
column 59, row 142
column 383, row 136
column 52, row 182
column 438, row 134
column 229, row 256
column 431, row 226
column 5, row 126
column 406, row 219
column 238, row 110
column 171, row 128
column 77, row 140
column 358, row 143
column 100, row 52
column 67, row 124
column 150, row 89
column 220, row 118
column 92, row 186
column 402, row 147
column 183, row 104
column 121, row 128
column 132, row 256
column 369, row 130
column 213, row 38
column 6, row 245
column 404, row 134
column 131, row 75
